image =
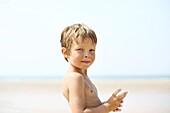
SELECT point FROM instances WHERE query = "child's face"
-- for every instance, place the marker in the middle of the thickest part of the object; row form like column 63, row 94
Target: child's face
column 82, row 53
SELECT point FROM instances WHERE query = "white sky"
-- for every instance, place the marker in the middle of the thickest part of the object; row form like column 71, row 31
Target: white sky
column 133, row 36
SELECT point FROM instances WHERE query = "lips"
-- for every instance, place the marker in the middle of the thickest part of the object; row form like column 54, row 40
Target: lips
column 85, row 62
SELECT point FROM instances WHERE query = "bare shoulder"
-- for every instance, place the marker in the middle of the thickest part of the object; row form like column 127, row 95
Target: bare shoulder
column 74, row 78
column 72, row 82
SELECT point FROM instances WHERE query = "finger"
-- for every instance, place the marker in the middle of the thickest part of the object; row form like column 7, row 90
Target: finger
column 120, row 105
column 116, row 110
column 122, row 96
column 116, row 92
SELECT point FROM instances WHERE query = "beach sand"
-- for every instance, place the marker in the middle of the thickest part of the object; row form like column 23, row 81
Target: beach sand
column 44, row 96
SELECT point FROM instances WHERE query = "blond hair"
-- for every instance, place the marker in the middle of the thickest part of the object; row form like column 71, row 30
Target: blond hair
column 71, row 33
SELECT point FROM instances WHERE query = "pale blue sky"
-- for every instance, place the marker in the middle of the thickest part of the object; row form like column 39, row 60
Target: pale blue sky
column 133, row 36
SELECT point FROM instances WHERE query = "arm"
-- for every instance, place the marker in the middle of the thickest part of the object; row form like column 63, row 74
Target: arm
column 77, row 97
column 112, row 104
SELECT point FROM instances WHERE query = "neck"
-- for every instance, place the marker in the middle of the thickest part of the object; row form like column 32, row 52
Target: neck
column 78, row 70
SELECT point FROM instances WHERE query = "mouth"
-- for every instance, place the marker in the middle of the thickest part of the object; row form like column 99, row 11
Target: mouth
column 86, row 62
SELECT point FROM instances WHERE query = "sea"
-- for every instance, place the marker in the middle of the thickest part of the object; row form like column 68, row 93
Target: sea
column 100, row 77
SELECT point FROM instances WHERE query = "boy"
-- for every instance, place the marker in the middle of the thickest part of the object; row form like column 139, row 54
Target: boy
column 78, row 48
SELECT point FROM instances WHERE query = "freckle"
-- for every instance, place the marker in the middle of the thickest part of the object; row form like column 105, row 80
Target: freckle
column 91, row 91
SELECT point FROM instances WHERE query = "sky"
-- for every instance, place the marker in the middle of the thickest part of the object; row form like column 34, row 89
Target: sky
column 133, row 36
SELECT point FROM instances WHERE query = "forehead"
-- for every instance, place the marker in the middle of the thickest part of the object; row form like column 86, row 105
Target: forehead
column 83, row 40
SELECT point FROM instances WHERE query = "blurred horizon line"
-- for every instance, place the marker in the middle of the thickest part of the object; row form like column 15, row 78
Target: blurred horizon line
column 99, row 77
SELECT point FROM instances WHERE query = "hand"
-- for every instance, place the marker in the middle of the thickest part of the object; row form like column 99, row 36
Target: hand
column 115, row 101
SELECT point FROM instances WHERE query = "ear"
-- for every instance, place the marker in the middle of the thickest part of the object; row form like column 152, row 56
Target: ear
column 64, row 52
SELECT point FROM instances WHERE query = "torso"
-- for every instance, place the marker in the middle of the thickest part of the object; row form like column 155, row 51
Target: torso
column 92, row 99
column 91, row 96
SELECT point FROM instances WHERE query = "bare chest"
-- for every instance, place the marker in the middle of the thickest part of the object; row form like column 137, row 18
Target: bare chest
column 90, row 89
column 91, row 96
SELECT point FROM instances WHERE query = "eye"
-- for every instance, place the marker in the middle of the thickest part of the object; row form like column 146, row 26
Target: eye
column 92, row 50
column 79, row 49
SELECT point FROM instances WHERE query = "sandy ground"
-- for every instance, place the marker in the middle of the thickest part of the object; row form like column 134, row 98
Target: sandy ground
column 44, row 96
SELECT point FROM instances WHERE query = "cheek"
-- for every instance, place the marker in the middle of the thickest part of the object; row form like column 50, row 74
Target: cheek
column 93, row 56
column 77, row 55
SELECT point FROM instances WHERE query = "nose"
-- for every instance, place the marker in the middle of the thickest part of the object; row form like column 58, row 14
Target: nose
column 86, row 54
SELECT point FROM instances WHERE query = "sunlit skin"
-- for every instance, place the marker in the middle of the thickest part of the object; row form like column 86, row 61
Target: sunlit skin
column 82, row 55
column 78, row 89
